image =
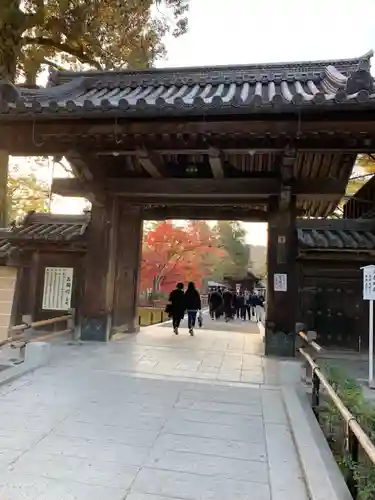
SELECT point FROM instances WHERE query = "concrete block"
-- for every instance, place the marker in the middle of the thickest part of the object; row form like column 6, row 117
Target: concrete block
column 37, row 354
column 311, row 335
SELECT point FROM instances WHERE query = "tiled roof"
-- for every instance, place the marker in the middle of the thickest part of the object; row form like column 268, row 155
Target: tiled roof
column 342, row 234
column 313, row 234
column 197, row 91
column 38, row 227
column 5, row 245
column 50, row 227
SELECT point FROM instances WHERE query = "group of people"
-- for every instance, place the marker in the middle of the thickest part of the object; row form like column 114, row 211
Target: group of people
column 241, row 304
column 181, row 301
column 221, row 301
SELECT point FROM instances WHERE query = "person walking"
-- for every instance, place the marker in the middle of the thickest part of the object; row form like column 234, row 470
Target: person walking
column 258, row 307
column 176, row 306
column 236, row 305
column 192, row 305
column 247, row 311
column 241, row 312
column 215, row 301
column 228, row 304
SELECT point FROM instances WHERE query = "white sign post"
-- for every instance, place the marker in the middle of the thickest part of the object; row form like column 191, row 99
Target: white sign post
column 280, row 282
column 57, row 293
column 369, row 294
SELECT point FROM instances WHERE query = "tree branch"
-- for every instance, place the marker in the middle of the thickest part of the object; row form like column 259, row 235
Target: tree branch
column 52, row 64
column 61, row 47
column 67, row 169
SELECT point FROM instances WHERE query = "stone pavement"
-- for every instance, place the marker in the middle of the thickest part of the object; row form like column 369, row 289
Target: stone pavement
column 236, row 325
column 150, row 417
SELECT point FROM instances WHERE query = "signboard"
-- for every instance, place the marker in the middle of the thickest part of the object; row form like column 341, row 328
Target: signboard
column 369, row 294
column 280, row 282
column 368, row 282
column 57, row 293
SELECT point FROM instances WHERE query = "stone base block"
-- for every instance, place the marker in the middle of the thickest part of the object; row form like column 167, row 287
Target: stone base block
column 96, row 328
column 279, row 343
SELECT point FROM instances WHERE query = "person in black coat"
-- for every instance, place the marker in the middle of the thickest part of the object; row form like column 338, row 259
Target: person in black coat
column 176, row 306
column 228, row 304
column 240, row 305
column 192, row 305
column 215, row 301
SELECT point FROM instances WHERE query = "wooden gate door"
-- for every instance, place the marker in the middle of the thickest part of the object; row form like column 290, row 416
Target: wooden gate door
column 334, row 309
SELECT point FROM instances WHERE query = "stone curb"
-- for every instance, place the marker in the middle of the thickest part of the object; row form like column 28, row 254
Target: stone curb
column 321, row 473
column 37, row 354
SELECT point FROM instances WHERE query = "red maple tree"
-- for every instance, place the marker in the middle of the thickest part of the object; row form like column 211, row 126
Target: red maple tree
column 172, row 254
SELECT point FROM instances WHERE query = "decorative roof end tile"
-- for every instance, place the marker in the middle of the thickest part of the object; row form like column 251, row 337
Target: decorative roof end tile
column 360, row 80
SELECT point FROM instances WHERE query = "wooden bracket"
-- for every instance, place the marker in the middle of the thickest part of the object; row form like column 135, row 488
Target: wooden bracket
column 79, row 166
column 216, row 163
column 287, row 165
column 151, row 163
column 285, row 197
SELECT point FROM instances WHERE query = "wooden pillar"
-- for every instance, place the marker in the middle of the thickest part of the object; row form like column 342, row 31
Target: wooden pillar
column 96, row 303
column 128, row 257
column 111, row 271
column 282, row 292
column 32, row 308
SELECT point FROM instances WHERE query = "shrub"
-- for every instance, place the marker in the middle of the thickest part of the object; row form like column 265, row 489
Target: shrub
column 351, row 394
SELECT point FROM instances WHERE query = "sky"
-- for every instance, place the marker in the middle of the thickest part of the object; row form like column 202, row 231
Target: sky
column 246, row 32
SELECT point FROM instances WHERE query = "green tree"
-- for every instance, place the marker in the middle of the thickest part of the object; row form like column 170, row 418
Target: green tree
column 231, row 237
column 26, row 192
column 99, row 33
column 102, row 34
column 366, row 162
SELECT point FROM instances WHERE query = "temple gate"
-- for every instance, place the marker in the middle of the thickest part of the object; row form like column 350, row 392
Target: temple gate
column 268, row 142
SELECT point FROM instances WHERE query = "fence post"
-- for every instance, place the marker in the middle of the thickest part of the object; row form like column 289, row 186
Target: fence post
column 352, row 450
column 71, row 325
column 315, row 394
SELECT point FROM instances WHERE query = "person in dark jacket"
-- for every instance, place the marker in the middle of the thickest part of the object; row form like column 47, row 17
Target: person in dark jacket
column 240, row 304
column 176, row 306
column 228, row 304
column 215, row 301
column 192, row 305
column 258, row 301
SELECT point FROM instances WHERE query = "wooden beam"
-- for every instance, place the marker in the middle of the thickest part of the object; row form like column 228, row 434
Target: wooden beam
column 245, row 188
column 172, row 187
column 150, row 163
column 59, row 136
column 246, row 214
column 216, row 164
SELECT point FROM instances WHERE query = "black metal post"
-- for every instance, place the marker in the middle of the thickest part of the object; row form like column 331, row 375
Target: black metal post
column 315, row 395
column 352, row 454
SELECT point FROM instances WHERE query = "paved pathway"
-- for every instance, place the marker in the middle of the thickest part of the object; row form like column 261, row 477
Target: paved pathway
column 236, row 325
column 150, row 417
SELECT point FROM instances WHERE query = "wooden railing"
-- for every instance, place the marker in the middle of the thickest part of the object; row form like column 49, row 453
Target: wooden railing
column 18, row 337
column 355, row 437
